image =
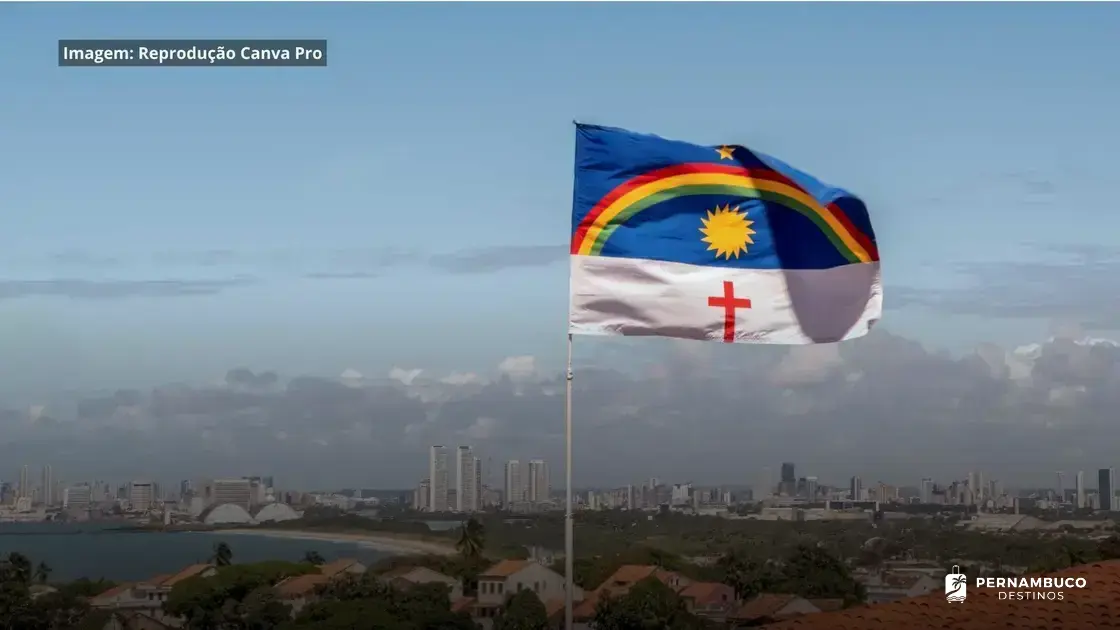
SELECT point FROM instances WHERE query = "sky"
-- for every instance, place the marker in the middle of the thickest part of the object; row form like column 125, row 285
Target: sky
column 407, row 206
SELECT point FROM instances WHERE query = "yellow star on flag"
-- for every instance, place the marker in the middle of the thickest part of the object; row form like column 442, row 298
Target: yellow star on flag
column 725, row 152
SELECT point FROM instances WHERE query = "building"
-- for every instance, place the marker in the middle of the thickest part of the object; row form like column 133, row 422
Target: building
column 540, row 490
column 514, row 483
column 1095, row 607
column 1106, row 488
column 24, row 483
column 77, row 497
column 788, row 473
column 237, row 492
column 48, row 486
column 1079, row 489
column 925, row 493
column 510, row 576
column 468, row 475
column 437, row 479
column 300, row 590
column 141, row 495
column 404, row 578
column 421, row 496
column 855, row 489
column 147, row 597
column 811, row 485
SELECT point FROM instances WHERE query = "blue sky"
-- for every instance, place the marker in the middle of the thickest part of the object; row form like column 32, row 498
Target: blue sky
column 976, row 134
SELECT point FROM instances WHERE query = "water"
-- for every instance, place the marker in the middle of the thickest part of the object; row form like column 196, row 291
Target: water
column 92, row 551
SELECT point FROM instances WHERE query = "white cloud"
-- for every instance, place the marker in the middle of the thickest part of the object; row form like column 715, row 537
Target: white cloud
column 481, row 429
column 462, row 378
column 404, row 376
column 350, row 374
column 519, row 368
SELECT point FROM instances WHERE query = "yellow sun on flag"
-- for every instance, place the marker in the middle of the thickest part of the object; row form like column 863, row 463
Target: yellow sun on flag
column 727, row 231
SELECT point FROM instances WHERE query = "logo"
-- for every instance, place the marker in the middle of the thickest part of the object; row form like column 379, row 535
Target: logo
column 956, row 586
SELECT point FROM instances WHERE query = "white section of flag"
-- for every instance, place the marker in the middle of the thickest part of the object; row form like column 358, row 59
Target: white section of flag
column 638, row 297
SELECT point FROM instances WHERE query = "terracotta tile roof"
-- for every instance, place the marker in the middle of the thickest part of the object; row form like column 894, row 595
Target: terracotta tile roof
column 505, row 568
column 461, row 604
column 586, row 609
column 1096, row 607
column 827, row 605
column 619, row 583
column 114, row 591
column 704, row 593
column 763, row 606
column 555, row 608
column 300, row 585
column 189, row 572
column 332, row 569
column 630, row 574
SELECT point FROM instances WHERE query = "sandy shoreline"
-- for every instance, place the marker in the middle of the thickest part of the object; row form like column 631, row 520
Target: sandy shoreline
column 381, row 542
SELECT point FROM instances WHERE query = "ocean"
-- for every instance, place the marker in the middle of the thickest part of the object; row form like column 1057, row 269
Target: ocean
column 92, row 550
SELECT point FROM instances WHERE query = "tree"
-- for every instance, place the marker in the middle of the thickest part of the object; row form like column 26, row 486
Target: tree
column 42, row 573
column 313, row 557
column 237, row 597
column 472, row 538
column 223, row 555
column 649, row 605
column 523, row 611
column 1109, row 548
column 748, row 576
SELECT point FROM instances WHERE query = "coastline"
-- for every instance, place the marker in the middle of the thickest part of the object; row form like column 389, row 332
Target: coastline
column 385, row 542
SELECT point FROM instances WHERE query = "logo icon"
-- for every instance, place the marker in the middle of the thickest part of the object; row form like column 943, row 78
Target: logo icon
column 956, row 586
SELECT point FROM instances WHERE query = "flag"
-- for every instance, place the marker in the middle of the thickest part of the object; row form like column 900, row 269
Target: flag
column 717, row 243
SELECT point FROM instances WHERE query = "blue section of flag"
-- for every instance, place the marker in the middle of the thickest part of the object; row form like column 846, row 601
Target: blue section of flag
column 671, row 230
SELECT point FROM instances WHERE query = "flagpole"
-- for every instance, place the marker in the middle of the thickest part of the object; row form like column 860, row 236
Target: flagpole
column 569, row 532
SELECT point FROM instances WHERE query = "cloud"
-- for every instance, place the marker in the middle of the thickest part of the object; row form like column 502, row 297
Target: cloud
column 518, row 368
column 490, row 259
column 115, row 289
column 1079, row 286
column 462, row 378
column 404, row 376
column 882, row 407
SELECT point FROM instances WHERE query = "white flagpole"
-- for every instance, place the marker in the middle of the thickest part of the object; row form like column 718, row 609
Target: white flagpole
column 569, row 517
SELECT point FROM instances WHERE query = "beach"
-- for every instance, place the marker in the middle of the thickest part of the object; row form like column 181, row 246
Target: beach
column 386, row 543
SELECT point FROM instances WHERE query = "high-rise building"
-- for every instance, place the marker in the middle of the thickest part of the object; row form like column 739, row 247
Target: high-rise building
column 24, row 482
column 855, row 488
column 540, row 489
column 48, row 486
column 140, row 495
column 77, row 497
column 788, row 473
column 811, row 488
column 437, row 478
column 232, row 491
column 466, row 486
column 1106, row 488
column 514, row 483
column 1079, row 489
column 925, row 492
column 422, row 495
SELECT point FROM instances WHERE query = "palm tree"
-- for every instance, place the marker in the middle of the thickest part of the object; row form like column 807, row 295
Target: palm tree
column 472, row 538
column 42, row 573
column 313, row 557
column 20, row 566
column 223, row 555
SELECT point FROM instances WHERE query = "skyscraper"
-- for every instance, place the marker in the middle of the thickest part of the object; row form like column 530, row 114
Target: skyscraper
column 24, row 482
column 787, row 473
column 1079, row 489
column 855, row 488
column 925, row 493
column 514, row 491
column 48, row 486
column 466, row 486
column 1106, row 488
column 437, row 478
column 539, row 487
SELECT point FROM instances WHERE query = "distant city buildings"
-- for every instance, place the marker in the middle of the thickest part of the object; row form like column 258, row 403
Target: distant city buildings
column 437, row 479
column 1106, row 489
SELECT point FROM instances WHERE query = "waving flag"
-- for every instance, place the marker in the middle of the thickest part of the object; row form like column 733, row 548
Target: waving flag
column 717, row 243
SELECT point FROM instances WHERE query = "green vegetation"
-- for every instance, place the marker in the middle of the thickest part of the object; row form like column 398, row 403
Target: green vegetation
column 237, row 597
column 649, row 605
column 522, row 611
column 363, row 603
column 22, row 608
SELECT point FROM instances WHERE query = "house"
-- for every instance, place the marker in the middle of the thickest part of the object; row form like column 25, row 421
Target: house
column 406, row 577
column 510, row 576
column 711, row 600
column 620, row 582
column 891, row 586
column 1096, row 607
column 769, row 607
column 133, row 620
column 147, row 597
column 298, row 591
